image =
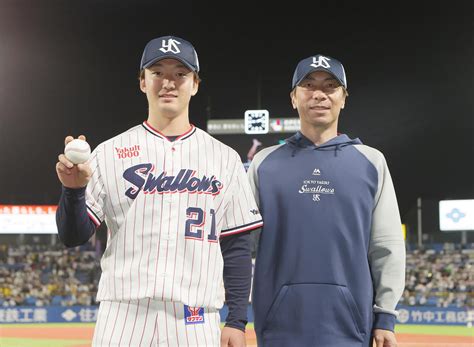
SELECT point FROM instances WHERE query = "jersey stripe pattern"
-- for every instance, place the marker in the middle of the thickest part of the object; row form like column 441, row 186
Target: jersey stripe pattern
column 153, row 323
column 166, row 204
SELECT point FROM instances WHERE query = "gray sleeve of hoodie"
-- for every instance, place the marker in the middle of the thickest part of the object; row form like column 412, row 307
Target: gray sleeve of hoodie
column 252, row 172
column 387, row 247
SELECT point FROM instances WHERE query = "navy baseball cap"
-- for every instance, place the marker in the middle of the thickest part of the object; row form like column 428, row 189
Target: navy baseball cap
column 170, row 47
column 319, row 63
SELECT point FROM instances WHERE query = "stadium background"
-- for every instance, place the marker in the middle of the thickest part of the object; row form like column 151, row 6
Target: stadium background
column 43, row 282
column 70, row 68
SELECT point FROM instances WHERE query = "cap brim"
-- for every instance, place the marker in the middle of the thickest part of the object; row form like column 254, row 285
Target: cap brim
column 170, row 56
column 320, row 68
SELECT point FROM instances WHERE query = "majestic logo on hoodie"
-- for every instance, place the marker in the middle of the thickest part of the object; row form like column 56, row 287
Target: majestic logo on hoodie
column 142, row 178
column 316, row 184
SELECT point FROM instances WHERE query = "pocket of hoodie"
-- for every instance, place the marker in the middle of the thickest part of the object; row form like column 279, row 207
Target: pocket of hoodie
column 314, row 307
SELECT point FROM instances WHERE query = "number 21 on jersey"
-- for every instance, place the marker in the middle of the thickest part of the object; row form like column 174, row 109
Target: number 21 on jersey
column 196, row 219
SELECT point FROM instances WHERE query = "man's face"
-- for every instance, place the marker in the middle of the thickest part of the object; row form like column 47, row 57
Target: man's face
column 169, row 86
column 319, row 99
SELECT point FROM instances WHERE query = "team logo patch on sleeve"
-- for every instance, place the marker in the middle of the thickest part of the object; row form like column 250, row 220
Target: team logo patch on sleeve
column 193, row 315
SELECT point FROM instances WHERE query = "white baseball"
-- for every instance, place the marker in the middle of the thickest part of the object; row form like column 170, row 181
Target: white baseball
column 77, row 151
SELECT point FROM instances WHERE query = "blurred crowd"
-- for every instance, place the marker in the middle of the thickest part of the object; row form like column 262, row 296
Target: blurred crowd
column 440, row 277
column 48, row 275
column 44, row 275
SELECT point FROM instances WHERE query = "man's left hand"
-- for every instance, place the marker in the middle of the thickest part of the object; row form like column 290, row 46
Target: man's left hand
column 232, row 337
column 384, row 338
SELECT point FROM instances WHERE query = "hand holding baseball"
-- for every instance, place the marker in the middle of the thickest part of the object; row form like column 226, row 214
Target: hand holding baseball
column 72, row 168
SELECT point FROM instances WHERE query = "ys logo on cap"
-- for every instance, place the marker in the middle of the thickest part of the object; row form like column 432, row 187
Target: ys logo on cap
column 321, row 61
column 170, row 46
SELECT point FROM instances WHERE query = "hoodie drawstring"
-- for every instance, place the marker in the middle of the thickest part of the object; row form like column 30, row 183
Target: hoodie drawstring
column 293, row 153
column 297, row 147
column 298, row 142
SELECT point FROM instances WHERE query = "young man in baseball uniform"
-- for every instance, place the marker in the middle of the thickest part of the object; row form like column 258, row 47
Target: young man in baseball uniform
column 330, row 265
column 178, row 207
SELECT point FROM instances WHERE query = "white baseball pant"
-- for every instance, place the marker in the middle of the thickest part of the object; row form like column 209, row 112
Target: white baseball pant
column 148, row 322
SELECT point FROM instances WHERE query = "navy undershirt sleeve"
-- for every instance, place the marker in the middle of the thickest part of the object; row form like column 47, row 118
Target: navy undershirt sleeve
column 237, row 277
column 75, row 227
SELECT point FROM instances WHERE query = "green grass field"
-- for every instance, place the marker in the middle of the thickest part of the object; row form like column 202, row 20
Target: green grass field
column 435, row 330
column 19, row 342
column 59, row 341
column 48, row 325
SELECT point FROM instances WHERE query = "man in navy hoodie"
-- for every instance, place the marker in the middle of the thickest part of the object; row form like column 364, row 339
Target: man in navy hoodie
column 330, row 263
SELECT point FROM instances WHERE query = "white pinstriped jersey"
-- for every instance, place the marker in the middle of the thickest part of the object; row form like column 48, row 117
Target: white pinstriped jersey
column 165, row 205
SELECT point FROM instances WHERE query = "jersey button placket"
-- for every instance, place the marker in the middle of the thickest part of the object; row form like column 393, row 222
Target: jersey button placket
column 175, row 146
column 167, row 198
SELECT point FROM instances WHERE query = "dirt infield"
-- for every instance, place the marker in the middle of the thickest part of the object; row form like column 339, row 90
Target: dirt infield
column 421, row 340
column 71, row 333
column 80, row 336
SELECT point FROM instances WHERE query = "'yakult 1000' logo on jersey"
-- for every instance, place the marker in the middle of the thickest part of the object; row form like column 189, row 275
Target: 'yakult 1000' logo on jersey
column 142, row 178
column 127, row 152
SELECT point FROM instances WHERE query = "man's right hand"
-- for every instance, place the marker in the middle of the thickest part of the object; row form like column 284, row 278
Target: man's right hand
column 70, row 175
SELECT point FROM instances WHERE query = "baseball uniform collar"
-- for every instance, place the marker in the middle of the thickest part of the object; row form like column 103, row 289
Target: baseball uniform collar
column 159, row 134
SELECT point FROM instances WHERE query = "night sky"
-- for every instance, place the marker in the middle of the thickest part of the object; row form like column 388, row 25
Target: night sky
column 70, row 67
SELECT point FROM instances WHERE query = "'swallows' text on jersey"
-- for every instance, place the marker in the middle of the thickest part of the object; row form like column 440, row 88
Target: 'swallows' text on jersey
column 142, row 178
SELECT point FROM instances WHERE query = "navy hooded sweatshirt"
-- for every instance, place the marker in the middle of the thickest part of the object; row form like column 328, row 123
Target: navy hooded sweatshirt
column 330, row 263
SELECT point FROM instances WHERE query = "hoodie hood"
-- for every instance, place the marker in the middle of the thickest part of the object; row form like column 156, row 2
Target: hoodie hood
column 298, row 141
